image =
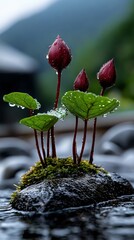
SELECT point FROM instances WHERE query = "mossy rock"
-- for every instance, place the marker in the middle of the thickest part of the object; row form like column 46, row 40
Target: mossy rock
column 57, row 168
column 63, row 184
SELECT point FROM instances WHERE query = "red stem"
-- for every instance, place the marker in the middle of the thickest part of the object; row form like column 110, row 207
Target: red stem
column 94, row 133
column 53, row 143
column 31, row 111
column 38, row 149
column 58, row 90
column 102, row 91
column 48, row 143
column 93, row 141
column 84, row 140
column 43, row 149
column 55, row 106
column 74, row 147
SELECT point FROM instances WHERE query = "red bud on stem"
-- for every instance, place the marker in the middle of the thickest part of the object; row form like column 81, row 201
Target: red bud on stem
column 107, row 74
column 59, row 55
column 81, row 82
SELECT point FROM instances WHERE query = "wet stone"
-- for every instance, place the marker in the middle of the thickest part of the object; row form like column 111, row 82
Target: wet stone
column 12, row 168
column 14, row 146
column 57, row 194
column 121, row 138
column 110, row 148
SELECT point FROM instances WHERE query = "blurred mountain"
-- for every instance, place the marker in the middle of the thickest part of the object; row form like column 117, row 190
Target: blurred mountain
column 75, row 21
column 117, row 43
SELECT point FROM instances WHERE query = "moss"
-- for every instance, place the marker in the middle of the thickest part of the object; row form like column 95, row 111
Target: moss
column 56, row 168
column 14, row 195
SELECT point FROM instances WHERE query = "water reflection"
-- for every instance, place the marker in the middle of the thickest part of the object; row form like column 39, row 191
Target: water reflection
column 111, row 220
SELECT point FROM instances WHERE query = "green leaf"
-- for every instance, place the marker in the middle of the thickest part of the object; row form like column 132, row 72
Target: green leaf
column 88, row 105
column 22, row 100
column 40, row 122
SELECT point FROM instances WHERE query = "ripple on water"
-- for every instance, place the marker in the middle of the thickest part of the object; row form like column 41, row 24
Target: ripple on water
column 119, row 221
column 113, row 220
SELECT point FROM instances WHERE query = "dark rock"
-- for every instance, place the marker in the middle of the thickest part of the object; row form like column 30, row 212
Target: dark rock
column 51, row 195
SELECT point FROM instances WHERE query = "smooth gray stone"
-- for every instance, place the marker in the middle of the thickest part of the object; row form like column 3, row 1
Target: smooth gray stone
column 12, row 146
column 12, row 168
column 120, row 164
column 14, row 164
column 110, row 148
column 57, row 194
column 121, row 135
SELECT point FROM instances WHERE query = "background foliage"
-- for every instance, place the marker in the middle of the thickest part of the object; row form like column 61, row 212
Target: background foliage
column 95, row 33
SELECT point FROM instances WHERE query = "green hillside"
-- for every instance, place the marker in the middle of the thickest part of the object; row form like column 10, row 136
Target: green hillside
column 80, row 25
column 117, row 43
column 76, row 21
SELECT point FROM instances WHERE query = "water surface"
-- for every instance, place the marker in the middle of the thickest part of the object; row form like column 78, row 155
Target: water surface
column 113, row 220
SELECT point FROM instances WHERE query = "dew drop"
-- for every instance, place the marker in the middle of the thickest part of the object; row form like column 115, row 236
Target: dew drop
column 56, row 73
column 19, row 106
column 11, row 104
column 37, row 104
column 22, row 107
column 47, row 57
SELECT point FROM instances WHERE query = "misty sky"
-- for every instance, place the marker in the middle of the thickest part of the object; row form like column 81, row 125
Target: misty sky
column 13, row 10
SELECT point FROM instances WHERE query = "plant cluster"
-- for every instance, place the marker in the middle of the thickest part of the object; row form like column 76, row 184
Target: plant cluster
column 79, row 102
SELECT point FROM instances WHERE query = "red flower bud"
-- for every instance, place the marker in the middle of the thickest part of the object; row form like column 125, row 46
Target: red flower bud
column 107, row 74
column 81, row 82
column 59, row 55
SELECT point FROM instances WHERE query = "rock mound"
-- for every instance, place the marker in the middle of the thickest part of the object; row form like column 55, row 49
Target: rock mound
column 57, row 194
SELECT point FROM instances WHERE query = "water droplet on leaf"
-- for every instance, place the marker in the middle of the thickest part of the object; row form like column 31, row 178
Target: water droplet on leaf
column 11, row 104
column 38, row 104
column 22, row 107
